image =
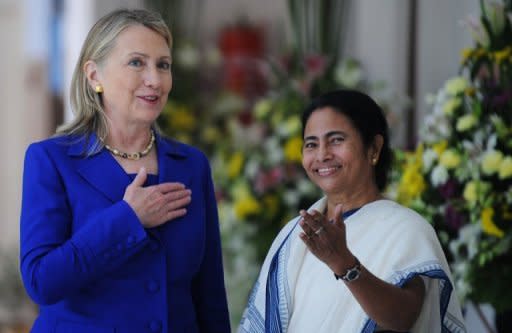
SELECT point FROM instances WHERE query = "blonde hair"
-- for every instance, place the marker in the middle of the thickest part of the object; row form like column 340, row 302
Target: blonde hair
column 86, row 104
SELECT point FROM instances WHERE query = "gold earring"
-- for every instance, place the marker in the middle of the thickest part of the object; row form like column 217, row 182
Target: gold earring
column 98, row 89
column 374, row 160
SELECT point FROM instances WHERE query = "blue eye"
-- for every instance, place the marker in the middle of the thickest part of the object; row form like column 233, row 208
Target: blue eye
column 164, row 65
column 135, row 62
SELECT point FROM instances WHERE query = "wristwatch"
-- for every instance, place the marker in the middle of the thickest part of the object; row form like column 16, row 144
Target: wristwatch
column 351, row 274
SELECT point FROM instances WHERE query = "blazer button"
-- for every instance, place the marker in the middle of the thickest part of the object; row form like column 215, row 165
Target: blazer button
column 155, row 326
column 152, row 286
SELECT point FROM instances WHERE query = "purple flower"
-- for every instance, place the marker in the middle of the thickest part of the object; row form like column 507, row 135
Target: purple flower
column 448, row 189
column 502, row 99
column 453, row 218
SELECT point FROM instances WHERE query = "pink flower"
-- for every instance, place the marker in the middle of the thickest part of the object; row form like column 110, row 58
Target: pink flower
column 315, row 65
column 268, row 179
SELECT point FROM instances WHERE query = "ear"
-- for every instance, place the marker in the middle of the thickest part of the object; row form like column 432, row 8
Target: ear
column 92, row 73
column 375, row 148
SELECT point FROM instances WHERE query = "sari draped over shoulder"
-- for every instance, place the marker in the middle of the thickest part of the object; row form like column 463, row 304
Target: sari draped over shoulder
column 295, row 292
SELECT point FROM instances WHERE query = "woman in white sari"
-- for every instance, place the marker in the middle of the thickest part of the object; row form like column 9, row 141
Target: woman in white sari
column 354, row 261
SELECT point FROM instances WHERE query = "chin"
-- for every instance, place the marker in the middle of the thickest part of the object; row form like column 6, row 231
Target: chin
column 326, row 186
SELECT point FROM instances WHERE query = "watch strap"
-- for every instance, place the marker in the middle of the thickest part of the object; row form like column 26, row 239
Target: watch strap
column 352, row 273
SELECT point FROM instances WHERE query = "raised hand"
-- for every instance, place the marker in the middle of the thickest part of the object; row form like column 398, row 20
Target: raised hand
column 327, row 239
column 157, row 204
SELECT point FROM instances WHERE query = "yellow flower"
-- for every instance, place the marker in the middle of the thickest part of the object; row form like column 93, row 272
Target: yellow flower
column 491, row 161
column 471, row 191
column 412, row 184
column 466, row 122
column 450, row 159
column 292, row 125
column 235, row 165
column 488, row 225
column 505, row 170
column 474, row 190
column 456, row 85
column 246, row 206
column 262, row 108
column 293, row 149
column 502, row 55
column 451, row 105
column 466, row 54
column 181, row 117
column 440, row 147
column 210, row 134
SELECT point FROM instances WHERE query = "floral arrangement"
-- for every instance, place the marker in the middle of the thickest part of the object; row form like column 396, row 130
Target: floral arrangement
column 259, row 176
column 254, row 143
column 460, row 175
column 255, row 152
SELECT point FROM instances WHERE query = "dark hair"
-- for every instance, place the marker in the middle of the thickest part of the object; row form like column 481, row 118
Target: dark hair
column 368, row 119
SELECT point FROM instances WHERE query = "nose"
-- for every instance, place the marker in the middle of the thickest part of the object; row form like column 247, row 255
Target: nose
column 323, row 153
column 152, row 77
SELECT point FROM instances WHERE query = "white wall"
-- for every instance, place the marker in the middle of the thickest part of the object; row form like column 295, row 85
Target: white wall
column 378, row 38
column 23, row 92
column 11, row 142
column 441, row 37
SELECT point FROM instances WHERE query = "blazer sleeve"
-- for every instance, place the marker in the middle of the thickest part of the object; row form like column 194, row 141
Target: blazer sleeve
column 208, row 286
column 56, row 261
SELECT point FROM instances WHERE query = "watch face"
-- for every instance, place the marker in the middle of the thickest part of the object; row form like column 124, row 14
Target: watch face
column 352, row 275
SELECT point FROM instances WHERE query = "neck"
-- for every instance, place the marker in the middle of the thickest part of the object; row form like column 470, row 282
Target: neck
column 351, row 200
column 130, row 140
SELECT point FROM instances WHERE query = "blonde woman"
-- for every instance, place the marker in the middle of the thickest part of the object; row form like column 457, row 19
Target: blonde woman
column 119, row 226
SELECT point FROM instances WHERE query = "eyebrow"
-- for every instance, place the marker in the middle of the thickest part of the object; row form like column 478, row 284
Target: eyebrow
column 327, row 135
column 140, row 54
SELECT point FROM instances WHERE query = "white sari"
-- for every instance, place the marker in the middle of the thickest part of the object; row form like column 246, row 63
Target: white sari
column 295, row 292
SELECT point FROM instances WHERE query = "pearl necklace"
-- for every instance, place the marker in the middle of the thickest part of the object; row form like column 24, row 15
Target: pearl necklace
column 133, row 156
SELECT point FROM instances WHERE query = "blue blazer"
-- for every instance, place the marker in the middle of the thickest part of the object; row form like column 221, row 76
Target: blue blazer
column 92, row 267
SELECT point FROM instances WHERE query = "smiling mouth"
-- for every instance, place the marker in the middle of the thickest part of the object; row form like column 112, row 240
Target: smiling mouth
column 150, row 99
column 327, row 171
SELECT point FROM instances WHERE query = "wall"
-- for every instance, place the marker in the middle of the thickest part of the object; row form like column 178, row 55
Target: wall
column 24, row 109
column 441, row 37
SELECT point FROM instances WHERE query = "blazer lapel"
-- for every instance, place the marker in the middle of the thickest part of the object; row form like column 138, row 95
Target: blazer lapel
column 101, row 170
column 173, row 164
